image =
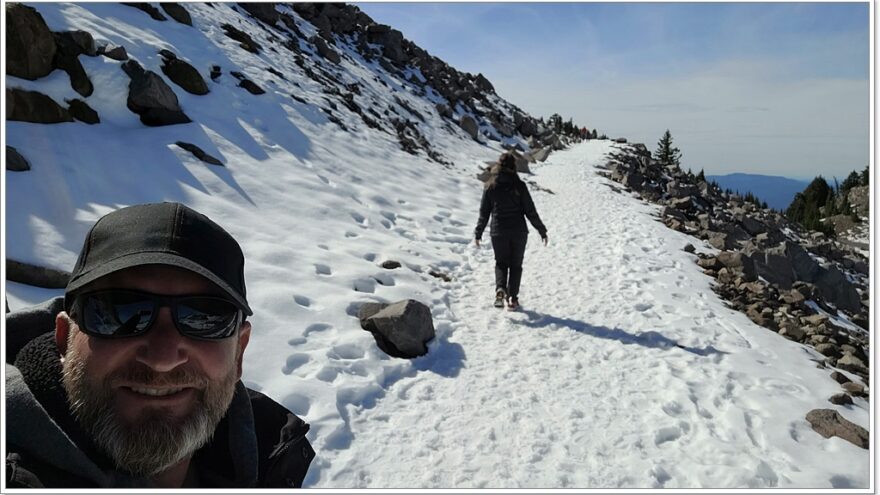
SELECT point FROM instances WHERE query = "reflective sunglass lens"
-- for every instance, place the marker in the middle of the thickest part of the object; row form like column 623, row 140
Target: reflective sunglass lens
column 116, row 314
column 207, row 318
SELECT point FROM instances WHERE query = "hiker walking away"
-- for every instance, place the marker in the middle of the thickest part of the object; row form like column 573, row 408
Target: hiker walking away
column 506, row 198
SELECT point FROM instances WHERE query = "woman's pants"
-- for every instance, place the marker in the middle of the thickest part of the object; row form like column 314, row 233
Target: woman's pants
column 509, row 251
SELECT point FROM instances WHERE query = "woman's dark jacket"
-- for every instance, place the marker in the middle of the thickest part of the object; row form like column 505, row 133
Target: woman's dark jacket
column 258, row 444
column 509, row 203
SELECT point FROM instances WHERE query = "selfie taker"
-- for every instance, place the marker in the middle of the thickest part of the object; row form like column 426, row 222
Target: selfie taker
column 139, row 383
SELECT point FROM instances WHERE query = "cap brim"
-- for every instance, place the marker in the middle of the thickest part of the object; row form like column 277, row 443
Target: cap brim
column 169, row 259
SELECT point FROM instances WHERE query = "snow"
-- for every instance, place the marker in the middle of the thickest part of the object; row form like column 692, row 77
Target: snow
column 623, row 369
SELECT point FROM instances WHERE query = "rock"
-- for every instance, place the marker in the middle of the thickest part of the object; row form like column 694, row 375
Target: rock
column 840, row 377
column 852, row 364
column 251, row 87
column 469, row 125
column 199, row 153
column 36, row 276
column 215, row 72
column 710, row 263
column 115, row 52
column 444, row 111
column 855, row 389
column 816, row 320
column 324, row 50
column 391, row 264
column 401, row 329
column 829, row 423
column 30, row 46
column 151, row 98
column 793, row 297
column 176, row 12
column 31, row 106
column 184, row 75
column 14, row 161
column 443, row 276
column 149, row 9
column 683, row 204
column 368, row 309
column 840, row 399
column 791, row 331
column 244, row 40
column 82, row 112
column 834, row 287
column 263, row 11
column 689, row 248
column 67, row 59
column 540, row 154
column 828, row 349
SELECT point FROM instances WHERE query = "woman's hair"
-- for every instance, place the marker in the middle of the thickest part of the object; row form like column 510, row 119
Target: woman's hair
column 506, row 164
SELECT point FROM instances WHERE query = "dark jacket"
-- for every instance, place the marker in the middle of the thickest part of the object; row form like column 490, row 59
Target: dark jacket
column 509, row 203
column 258, row 444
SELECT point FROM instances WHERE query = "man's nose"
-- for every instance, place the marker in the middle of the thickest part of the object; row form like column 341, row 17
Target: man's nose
column 163, row 348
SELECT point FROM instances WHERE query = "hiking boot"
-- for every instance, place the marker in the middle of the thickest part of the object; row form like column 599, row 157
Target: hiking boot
column 500, row 297
column 513, row 303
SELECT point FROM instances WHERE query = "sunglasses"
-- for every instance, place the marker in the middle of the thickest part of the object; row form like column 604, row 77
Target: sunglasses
column 127, row 313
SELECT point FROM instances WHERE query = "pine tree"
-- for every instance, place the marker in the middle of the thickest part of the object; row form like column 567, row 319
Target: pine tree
column 701, row 176
column 865, row 178
column 852, row 180
column 666, row 154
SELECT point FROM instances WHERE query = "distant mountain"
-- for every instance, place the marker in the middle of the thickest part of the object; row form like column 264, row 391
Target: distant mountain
column 776, row 191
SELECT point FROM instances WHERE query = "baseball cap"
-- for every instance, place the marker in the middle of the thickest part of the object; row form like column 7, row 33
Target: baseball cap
column 161, row 234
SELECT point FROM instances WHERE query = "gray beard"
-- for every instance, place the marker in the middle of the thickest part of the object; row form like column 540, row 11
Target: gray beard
column 156, row 440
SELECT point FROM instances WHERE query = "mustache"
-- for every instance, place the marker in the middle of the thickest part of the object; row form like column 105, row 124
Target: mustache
column 139, row 374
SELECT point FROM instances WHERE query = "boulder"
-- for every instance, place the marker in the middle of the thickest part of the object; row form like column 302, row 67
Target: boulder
column 67, row 59
column 30, row 46
column 834, row 287
column 791, row 331
column 854, row 389
column 114, row 52
column 176, row 12
column 149, row 9
column 244, row 40
column 263, row 11
column 31, row 106
column 36, row 276
column 527, row 128
column 840, row 399
column 840, row 377
column 324, row 50
column 469, row 125
column 444, row 111
column 390, row 264
column 151, row 98
column 82, row 112
column 827, row 348
column 199, row 153
column 540, row 154
column 401, row 329
column 14, row 161
column 184, row 75
column 737, row 262
column 829, row 423
column 852, row 364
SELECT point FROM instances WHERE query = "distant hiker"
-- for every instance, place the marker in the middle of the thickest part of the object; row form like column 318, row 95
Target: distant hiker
column 138, row 384
column 506, row 198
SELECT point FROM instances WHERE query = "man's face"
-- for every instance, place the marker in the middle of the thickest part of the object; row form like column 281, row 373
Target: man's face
column 151, row 400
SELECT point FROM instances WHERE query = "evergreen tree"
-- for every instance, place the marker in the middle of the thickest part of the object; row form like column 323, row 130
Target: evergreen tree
column 806, row 208
column 666, row 154
column 865, row 178
column 595, row 134
column 851, row 181
column 701, row 176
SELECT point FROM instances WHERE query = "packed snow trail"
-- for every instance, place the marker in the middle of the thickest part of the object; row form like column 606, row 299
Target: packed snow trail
column 623, row 369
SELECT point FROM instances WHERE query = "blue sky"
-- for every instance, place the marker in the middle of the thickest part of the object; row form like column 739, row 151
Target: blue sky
column 772, row 88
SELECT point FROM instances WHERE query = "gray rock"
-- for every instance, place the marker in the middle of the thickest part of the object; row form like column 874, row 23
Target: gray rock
column 855, row 389
column 540, row 154
column 82, row 112
column 67, row 59
column 852, row 364
column 36, row 276
column 834, row 287
column 401, row 329
column 829, row 423
column 828, row 349
column 151, row 98
column 115, row 52
column 244, row 40
column 199, row 153
column 263, row 11
column 176, row 12
column 390, row 264
column 184, row 75
column 324, row 50
column 840, row 377
column 149, row 9
column 30, row 46
column 14, row 161
column 31, row 106
column 689, row 248
column 791, row 331
column 469, row 125
column 840, row 399
column 444, row 111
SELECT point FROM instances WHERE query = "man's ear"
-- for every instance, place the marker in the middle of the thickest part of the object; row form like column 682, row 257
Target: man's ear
column 244, row 336
column 62, row 331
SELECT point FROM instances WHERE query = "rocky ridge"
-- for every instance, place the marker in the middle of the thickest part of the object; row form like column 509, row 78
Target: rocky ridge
column 806, row 287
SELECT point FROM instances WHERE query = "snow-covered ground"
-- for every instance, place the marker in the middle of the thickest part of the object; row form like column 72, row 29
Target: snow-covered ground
column 623, row 369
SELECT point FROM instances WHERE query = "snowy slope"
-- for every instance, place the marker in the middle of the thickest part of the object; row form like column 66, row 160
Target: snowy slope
column 624, row 369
